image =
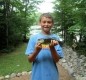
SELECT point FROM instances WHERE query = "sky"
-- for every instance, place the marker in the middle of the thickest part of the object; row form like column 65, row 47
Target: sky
column 46, row 6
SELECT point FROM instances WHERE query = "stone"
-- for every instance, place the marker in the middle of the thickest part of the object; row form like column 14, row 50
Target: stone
column 13, row 75
column 7, row 76
column 24, row 73
column 19, row 74
column 63, row 60
column 1, row 77
column 74, row 63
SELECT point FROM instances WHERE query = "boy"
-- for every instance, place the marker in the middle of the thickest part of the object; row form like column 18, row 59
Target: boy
column 44, row 51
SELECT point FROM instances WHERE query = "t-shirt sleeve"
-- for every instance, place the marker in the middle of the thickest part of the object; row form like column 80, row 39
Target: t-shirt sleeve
column 59, row 51
column 59, row 48
column 30, row 46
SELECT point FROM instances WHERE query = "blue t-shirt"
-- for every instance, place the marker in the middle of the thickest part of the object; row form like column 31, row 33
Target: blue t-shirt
column 44, row 67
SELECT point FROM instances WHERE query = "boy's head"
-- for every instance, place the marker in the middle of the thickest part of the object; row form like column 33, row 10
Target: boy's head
column 47, row 15
column 46, row 22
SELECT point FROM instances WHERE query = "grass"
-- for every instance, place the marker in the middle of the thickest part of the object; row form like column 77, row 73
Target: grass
column 15, row 61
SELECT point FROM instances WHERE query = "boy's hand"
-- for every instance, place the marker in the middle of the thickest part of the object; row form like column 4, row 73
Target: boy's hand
column 53, row 43
column 38, row 46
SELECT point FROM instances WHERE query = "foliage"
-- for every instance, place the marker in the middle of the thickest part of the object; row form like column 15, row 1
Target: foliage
column 70, row 15
column 16, row 16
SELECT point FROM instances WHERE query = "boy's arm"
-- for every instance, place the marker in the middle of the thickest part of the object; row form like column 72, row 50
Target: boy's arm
column 54, row 53
column 32, row 56
column 55, row 56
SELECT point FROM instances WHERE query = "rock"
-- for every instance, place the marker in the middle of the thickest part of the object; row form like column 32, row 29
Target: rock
column 1, row 77
column 63, row 60
column 19, row 74
column 74, row 63
column 7, row 76
column 13, row 75
column 24, row 73
column 80, row 78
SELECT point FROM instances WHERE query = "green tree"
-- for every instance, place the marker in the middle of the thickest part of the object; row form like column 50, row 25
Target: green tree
column 19, row 15
column 70, row 15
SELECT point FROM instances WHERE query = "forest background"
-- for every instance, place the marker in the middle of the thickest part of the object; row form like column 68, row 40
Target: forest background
column 17, row 16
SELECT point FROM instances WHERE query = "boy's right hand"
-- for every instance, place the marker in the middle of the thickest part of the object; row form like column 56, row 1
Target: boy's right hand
column 38, row 47
column 32, row 57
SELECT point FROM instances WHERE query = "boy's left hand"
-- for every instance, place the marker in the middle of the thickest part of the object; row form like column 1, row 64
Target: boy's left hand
column 53, row 43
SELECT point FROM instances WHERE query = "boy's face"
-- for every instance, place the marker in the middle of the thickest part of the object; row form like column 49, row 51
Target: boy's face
column 46, row 24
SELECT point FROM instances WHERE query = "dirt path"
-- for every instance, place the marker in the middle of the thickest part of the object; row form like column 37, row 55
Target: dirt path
column 63, row 75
